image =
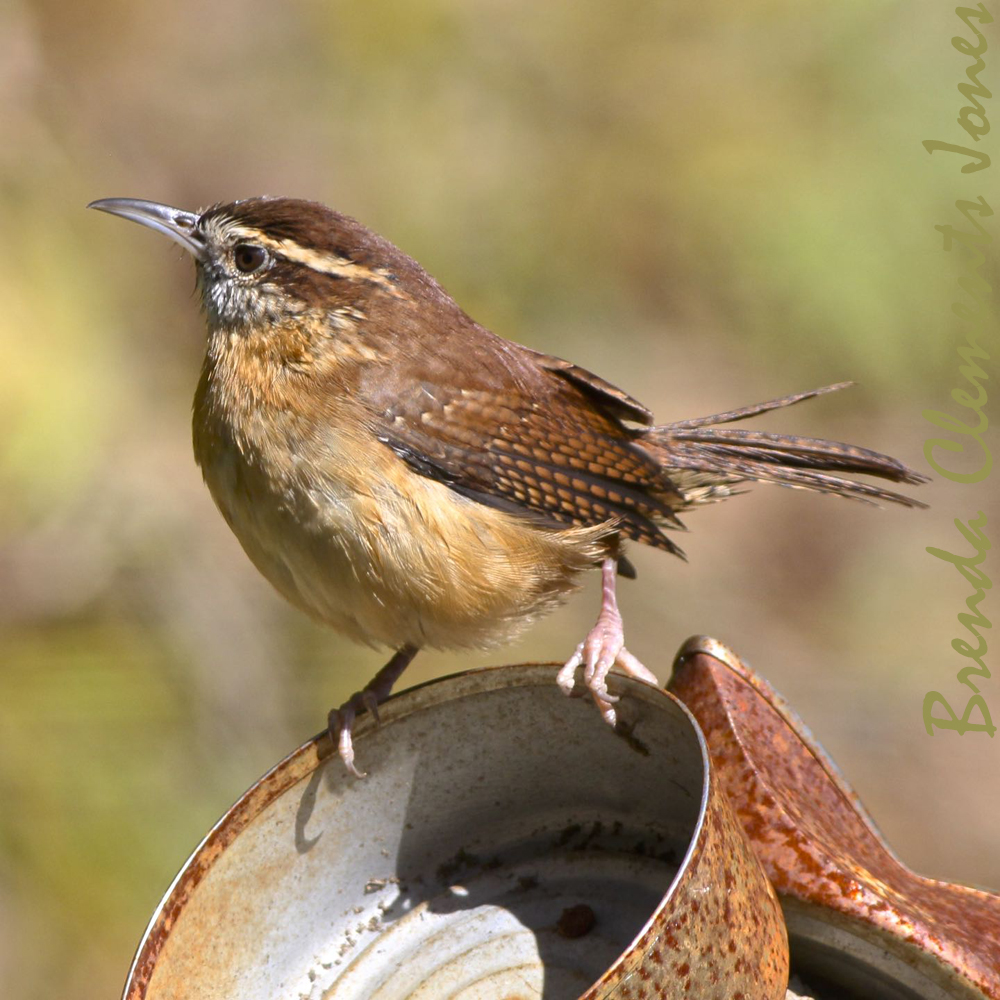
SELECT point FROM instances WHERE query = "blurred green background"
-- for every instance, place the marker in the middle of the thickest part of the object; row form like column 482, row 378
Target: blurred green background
column 707, row 203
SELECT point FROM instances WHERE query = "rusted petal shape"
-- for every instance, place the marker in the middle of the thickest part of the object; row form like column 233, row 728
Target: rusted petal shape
column 505, row 844
column 719, row 933
column 837, row 878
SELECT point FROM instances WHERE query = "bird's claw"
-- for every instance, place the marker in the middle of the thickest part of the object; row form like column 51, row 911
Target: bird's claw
column 603, row 649
column 370, row 701
column 598, row 653
column 341, row 722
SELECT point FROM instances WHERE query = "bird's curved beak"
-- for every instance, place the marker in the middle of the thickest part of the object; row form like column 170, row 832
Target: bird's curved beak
column 180, row 226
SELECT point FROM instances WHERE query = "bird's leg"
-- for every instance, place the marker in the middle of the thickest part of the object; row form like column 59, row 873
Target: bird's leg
column 341, row 720
column 604, row 648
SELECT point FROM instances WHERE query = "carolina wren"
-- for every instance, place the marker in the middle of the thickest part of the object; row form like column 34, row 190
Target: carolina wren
column 404, row 475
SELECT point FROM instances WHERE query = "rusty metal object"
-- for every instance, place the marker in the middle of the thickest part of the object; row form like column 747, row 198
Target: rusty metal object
column 506, row 844
column 856, row 915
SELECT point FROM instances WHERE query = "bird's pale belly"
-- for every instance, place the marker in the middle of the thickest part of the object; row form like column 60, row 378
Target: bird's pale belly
column 427, row 567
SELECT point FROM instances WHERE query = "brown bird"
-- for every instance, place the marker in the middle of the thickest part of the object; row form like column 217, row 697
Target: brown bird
column 404, row 475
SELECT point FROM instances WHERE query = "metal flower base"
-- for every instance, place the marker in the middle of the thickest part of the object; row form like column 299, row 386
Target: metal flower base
column 507, row 845
column 857, row 917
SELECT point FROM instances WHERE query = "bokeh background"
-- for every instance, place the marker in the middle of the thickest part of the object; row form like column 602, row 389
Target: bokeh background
column 708, row 203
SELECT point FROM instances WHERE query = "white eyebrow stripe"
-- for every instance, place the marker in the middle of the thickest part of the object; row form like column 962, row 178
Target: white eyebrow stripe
column 316, row 260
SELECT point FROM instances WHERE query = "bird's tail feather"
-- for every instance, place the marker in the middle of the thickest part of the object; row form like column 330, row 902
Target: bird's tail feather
column 706, row 460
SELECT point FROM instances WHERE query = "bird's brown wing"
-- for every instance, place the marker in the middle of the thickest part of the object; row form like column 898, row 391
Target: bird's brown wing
column 609, row 399
column 531, row 434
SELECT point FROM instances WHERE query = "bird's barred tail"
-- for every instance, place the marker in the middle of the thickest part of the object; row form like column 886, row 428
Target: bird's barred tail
column 706, row 460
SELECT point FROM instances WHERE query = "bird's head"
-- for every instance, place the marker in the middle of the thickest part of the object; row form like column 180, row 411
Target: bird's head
column 264, row 262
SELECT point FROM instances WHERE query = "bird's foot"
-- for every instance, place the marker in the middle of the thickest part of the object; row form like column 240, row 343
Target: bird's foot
column 603, row 649
column 340, row 721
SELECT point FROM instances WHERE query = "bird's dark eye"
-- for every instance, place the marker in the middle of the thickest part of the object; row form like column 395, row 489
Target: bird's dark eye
column 249, row 258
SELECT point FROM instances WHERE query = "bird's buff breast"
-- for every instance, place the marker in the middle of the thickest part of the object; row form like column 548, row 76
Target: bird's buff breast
column 351, row 535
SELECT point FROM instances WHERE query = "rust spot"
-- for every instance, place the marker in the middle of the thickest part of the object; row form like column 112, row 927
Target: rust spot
column 576, row 921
